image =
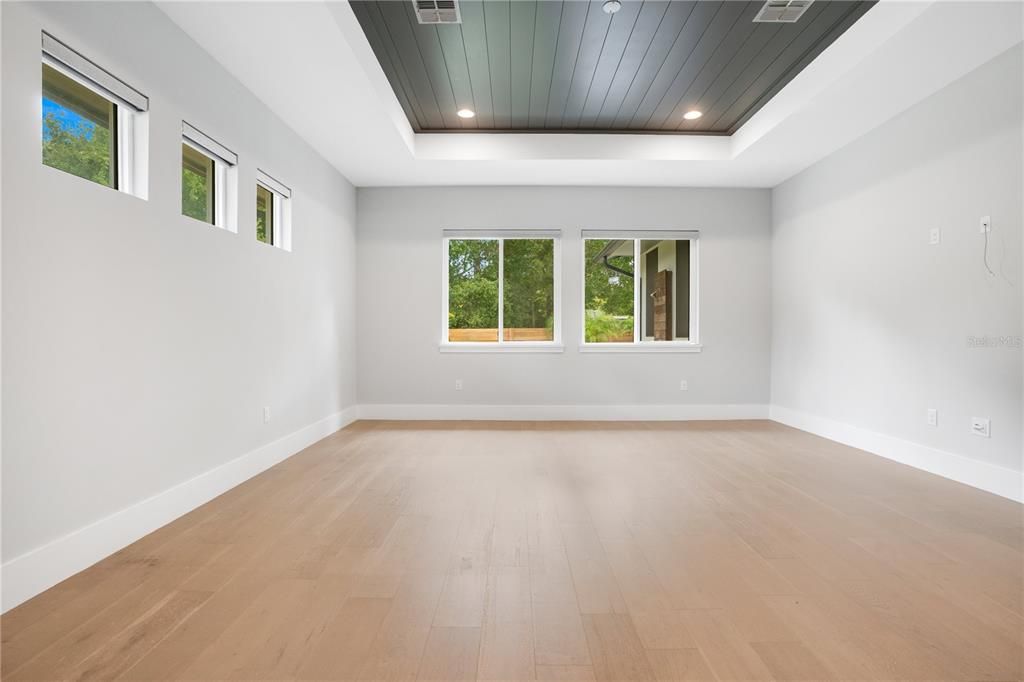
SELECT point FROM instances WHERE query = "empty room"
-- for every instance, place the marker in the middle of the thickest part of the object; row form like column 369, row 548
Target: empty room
column 396, row 340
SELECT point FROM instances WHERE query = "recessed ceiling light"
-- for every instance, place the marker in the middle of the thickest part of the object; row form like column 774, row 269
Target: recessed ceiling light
column 693, row 115
column 466, row 113
column 611, row 7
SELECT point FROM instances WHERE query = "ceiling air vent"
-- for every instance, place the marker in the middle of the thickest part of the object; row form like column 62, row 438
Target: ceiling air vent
column 437, row 11
column 782, row 11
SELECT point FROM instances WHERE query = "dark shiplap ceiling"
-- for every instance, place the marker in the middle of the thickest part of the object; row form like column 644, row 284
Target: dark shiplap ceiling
column 549, row 65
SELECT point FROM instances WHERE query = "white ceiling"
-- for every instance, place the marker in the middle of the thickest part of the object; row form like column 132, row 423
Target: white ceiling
column 311, row 64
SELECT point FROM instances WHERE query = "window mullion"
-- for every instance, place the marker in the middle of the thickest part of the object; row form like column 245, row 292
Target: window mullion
column 501, row 291
column 219, row 194
column 274, row 205
column 637, row 292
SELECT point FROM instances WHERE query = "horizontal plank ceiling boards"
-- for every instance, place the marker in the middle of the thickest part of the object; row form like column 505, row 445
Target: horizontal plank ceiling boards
column 549, row 65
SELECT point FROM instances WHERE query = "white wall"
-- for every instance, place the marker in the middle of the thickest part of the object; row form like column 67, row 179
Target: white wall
column 871, row 323
column 400, row 265
column 140, row 346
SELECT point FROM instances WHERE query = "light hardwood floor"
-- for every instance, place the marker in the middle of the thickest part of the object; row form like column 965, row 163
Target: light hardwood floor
column 520, row 551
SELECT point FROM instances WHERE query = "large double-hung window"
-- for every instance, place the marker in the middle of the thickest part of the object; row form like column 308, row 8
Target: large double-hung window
column 501, row 289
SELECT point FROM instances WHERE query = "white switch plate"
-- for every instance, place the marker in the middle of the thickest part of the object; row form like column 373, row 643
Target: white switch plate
column 458, row 384
column 266, row 415
column 934, row 236
column 985, row 225
column 980, row 427
column 683, row 385
column 933, row 417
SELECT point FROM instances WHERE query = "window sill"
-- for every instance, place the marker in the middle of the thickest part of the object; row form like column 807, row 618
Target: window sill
column 647, row 347
column 494, row 347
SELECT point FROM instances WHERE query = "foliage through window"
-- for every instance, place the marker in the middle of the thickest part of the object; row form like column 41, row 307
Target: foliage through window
column 79, row 129
column 501, row 290
column 197, row 184
column 264, row 215
column 209, row 179
column 639, row 290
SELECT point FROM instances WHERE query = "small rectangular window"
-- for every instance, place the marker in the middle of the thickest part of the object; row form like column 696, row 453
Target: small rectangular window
column 264, row 215
column 197, row 184
column 501, row 288
column 640, row 288
column 208, row 179
column 79, row 129
column 93, row 124
column 273, row 212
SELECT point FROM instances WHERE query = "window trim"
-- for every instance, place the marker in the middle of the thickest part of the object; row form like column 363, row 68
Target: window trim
column 225, row 176
column 99, row 79
column 502, row 346
column 207, row 145
column 638, row 345
column 272, row 184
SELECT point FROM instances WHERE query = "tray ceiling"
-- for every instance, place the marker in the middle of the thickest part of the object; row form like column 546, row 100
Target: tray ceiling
column 568, row 66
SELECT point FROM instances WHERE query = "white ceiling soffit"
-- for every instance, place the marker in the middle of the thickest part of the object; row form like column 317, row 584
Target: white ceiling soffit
column 310, row 62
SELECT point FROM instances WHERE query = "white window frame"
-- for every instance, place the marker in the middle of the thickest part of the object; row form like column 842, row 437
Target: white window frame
column 639, row 344
column 281, row 210
column 225, row 177
column 502, row 346
column 132, row 157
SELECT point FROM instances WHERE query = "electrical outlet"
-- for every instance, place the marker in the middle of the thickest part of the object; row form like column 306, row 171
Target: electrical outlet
column 933, row 417
column 985, row 225
column 934, row 236
column 683, row 385
column 266, row 415
column 980, row 427
column 458, row 384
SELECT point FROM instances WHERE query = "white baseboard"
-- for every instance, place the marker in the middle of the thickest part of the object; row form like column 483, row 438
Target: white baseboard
column 33, row 572
column 563, row 412
column 29, row 574
column 989, row 477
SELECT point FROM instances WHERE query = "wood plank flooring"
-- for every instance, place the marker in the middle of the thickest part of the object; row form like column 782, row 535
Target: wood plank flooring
column 554, row 551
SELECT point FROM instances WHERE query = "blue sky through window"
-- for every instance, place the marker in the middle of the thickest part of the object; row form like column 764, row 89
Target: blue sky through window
column 69, row 119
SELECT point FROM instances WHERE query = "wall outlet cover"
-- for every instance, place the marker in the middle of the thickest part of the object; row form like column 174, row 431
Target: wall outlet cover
column 980, row 427
column 933, row 417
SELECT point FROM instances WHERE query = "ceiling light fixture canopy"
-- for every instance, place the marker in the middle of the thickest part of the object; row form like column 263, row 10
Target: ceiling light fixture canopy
column 466, row 113
column 611, row 7
column 693, row 115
